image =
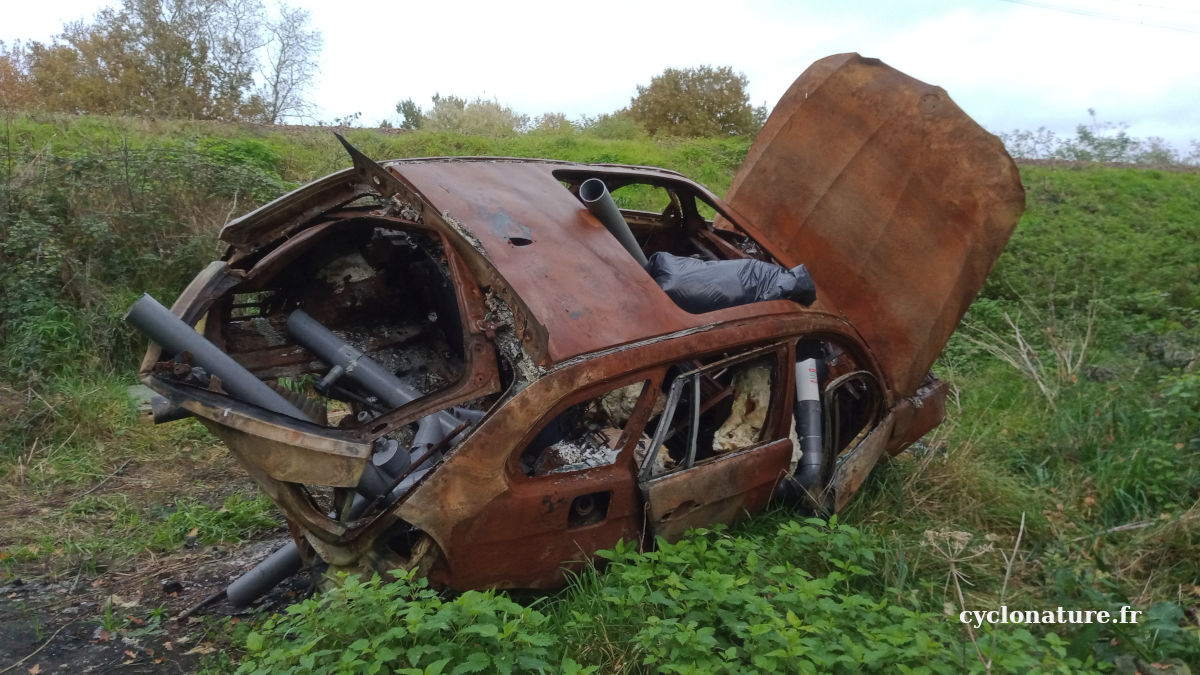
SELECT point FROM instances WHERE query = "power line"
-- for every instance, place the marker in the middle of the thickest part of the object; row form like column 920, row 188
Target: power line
column 1102, row 15
column 1169, row 8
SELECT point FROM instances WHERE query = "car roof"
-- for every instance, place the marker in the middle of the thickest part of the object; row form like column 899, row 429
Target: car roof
column 580, row 290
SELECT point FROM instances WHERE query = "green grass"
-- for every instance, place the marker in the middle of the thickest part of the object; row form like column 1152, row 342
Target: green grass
column 1081, row 436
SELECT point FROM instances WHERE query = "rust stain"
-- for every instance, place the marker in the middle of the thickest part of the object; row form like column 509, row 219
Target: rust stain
column 898, row 206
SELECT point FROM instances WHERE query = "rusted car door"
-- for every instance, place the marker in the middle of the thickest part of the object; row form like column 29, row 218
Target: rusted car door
column 896, row 201
column 564, row 489
column 708, row 484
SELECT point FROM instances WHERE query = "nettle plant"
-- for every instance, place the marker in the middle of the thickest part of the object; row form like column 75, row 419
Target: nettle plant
column 805, row 598
column 402, row 626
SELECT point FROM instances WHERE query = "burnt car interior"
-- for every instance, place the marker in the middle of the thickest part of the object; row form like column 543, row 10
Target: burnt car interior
column 669, row 216
column 722, row 407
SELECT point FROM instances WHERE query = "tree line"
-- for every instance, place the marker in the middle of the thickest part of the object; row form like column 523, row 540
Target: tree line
column 1098, row 141
column 238, row 60
column 233, row 60
column 703, row 101
column 200, row 59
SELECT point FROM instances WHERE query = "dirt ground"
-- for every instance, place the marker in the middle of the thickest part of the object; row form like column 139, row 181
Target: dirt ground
column 126, row 619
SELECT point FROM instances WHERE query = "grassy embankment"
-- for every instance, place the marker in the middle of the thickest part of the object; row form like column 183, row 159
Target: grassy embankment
column 1074, row 412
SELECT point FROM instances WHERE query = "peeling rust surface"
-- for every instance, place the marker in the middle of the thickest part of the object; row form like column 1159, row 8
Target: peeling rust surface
column 724, row 490
column 852, row 470
column 573, row 276
column 895, row 200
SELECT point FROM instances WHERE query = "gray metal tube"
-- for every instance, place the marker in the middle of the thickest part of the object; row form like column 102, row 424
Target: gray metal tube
column 175, row 336
column 808, row 425
column 338, row 353
column 373, row 377
column 266, row 575
column 276, row 567
column 594, row 194
column 163, row 411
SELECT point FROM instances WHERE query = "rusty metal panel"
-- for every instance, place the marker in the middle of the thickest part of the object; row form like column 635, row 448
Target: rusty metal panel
column 474, row 477
column 279, row 449
column 722, row 490
column 522, row 539
column 918, row 414
column 573, row 275
column 896, row 201
column 852, row 470
column 295, row 209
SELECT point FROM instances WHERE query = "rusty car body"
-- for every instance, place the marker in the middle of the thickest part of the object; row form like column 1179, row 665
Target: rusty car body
column 579, row 404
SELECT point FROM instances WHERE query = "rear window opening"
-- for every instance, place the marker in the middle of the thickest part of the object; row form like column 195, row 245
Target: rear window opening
column 348, row 327
column 701, row 268
column 388, row 293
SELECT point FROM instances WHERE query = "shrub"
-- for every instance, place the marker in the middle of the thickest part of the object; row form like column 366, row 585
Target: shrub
column 805, row 598
column 372, row 626
column 692, row 102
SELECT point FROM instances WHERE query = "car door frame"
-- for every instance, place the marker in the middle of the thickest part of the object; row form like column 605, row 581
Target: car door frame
column 727, row 487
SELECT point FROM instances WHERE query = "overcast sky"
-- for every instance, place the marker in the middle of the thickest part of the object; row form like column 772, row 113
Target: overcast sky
column 1011, row 64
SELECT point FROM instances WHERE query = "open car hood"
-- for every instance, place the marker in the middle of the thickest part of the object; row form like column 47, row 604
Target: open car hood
column 896, row 201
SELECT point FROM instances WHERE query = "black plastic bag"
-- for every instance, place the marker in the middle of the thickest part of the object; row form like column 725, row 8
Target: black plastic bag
column 700, row 286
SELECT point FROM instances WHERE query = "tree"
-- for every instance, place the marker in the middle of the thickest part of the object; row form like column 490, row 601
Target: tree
column 235, row 38
column 291, row 64
column 554, row 122
column 176, row 58
column 477, row 117
column 17, row 89
column 701, row 101
column 411, row 116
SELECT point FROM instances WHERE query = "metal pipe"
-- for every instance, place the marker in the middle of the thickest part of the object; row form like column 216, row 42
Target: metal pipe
column 807, row 481
column 595, row 196
column 694, row 432
column 340, row 354
column 276, row 567
column 266, row 575
column 808, row 425
column 162, row 410
column 176, row 337
column 350, row 362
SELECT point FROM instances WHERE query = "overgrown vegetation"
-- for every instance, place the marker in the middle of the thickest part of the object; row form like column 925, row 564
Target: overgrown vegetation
column 1073, row 427
column 1098, row 141
column 801, row 597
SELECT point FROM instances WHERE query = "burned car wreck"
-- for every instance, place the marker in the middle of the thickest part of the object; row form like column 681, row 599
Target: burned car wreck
column 483, row 369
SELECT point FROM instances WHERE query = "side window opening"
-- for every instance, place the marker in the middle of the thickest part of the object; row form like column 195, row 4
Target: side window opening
column 642, row 197
column 586, row 435
column 852, row 405
column 714, row 410
column 705, row 210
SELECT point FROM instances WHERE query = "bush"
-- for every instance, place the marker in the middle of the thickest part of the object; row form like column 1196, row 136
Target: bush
column 404, row 627
column 694, row 102
column 78, row 231
column 478, row 117
column 804, row 598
